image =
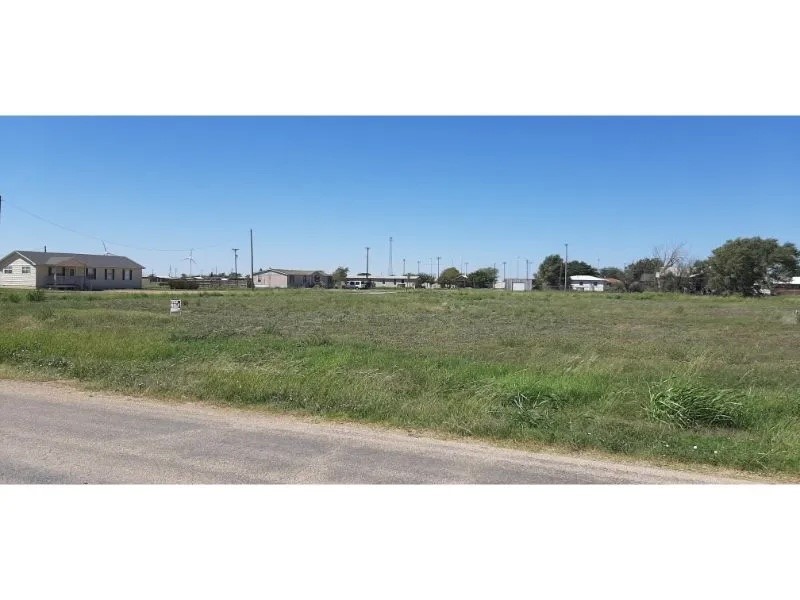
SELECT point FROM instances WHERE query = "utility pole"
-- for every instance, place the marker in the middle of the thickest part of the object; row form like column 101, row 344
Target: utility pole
column 236, row 262
column 391, row 268
column 251, row 259
column 566, row 264
column 518, row 267
column 527, row 268
column 438, row 258
column 367, row 247
column 404, row 267
column 504, row 272
column 418, row 271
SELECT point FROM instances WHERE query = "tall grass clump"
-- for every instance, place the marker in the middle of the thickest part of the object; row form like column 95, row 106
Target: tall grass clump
column 13, row 298
column 35, row 296
column 687, row 404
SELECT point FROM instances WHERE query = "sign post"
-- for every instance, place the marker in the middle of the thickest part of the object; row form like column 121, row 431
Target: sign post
column 174, row 307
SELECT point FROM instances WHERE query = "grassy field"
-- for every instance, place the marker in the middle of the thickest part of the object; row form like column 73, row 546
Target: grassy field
column 661, row 377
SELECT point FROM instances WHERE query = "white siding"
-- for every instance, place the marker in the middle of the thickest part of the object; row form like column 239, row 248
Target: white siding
column 17, row 278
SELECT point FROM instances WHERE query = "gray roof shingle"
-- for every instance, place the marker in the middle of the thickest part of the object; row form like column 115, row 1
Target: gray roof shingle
column 90, row 260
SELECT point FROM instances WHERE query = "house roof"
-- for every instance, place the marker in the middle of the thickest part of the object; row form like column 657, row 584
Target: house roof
column 585, row 278
column 68, row 259
column 293, row 272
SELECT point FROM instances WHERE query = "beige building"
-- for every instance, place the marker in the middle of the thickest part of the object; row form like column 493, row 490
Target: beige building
column 291, row 278
column 57, row 270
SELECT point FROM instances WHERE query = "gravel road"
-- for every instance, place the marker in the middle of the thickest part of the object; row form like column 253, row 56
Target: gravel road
column 54, row 433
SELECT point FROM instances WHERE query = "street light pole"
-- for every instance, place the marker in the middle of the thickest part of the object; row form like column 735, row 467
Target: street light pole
column 367, row 271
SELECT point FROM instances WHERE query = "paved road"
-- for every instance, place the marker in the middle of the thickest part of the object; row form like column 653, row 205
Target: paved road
column 51, row 433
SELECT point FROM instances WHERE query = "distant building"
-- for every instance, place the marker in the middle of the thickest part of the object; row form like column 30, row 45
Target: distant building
column 587, row 283
column 69, row 271
column 381, row 281
column 516, row 284
column 291, row 278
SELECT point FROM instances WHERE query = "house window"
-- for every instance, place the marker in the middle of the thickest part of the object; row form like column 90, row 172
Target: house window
column 63, row 271
column 130, row 274
column 26, row 270
column 8, row 270
column 109, row 272
column 91, row 273
column 72, row 272
column 50, row 271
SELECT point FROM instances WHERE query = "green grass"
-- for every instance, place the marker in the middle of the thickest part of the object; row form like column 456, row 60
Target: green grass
column 661, row 377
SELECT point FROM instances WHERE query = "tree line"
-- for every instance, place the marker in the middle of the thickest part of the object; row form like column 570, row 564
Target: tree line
column 744, row 266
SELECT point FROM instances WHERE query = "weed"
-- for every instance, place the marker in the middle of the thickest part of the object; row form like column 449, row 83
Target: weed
column 13, row 298
column 36, row 296
column 687, row 404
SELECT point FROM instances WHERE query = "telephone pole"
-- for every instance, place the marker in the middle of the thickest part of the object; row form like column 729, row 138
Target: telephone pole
column 566, row 264
column 251, row 259
column 236, row 261
column 438, row 258
column 391, row 268
column 367, row 247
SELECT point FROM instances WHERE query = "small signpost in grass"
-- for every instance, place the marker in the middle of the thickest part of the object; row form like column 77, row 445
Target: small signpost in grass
column 174, row 307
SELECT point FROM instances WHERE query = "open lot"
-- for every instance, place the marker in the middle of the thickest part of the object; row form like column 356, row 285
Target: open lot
column 574, row 371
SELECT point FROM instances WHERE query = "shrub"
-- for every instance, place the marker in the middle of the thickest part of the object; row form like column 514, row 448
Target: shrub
column 13, row 298
column 36, row 296
column 183, row 284
column 686, row 404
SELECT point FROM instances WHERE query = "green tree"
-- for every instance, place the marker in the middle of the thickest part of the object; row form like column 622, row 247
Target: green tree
column 339, row 276
column 744, row 265
column 578, row 267
column 641, row 275
column 449, row 277
column 482, row 278
column 612, row 273
column 551, row 272
column 425, row 278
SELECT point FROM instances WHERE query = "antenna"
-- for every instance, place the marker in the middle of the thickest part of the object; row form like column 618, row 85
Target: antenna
column 236, row 261
column 105, row 248
column 191, row 260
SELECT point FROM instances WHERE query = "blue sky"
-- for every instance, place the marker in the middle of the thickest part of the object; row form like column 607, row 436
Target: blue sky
column 317, row 190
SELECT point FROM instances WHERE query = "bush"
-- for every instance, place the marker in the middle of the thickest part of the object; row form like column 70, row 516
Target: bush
column 13, row 298
column 36, row 296
column 686, row 404
column 183, row 284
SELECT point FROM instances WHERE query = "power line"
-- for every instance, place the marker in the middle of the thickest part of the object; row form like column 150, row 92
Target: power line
column 104, row 240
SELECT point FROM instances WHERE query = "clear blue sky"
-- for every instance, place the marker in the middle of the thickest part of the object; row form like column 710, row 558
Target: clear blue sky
column 317, row 190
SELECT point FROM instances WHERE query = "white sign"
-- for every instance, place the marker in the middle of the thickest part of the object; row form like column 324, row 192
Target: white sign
column 174, row 306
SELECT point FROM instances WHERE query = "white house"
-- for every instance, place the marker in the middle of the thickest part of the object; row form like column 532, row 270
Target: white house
column 381, row 281
column 64, row 270
column 587, row 283
column 291, row 278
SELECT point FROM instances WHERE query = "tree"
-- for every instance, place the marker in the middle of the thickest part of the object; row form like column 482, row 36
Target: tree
column 551, row 272
column 449, row 277
column 641, row 274
column 339, row 276
column 578, row 267
column 482, row 278
column 424, row 278
column 673, row 263
column 612, row 273
column 744, row 265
